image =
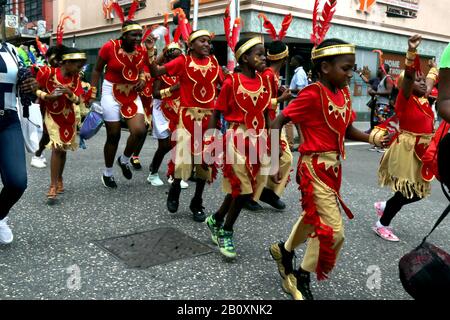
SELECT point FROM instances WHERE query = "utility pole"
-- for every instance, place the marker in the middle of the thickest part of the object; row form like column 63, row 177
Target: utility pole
column 195, row 22
column 3, row 16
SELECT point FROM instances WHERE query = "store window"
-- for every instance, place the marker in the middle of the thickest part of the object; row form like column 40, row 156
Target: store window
column 33, row 10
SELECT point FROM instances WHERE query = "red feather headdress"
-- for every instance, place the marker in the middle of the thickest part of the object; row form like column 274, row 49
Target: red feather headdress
column 184, row 26
column 41, row 47
column 231, row 35
column 271, row 29
column 60, row 28
column 322, row 25
column 133, row 8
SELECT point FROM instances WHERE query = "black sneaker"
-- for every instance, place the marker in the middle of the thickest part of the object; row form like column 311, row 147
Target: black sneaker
column 253, row 205
column 126, row 171
column 303, row 280
column 136, row 163
column 173, row 199
column 197, row 210
column 270, row 197
column 283, row 258
column 109, row 182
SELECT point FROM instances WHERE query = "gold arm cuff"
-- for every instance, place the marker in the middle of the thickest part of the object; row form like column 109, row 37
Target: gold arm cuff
column 333, row 51
column 73, row 98
column 74, row 56
column 279, row 56
column 247, row 46
column 131, row 27
column 409, row 62
column 41, row 94
column 433, row 73
column 198, row 34
column 411, row 55
column 274, row 102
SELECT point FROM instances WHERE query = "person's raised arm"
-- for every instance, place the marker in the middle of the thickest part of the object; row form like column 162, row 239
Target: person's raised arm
column 410, row 72
column 157, row 70
column 431, row 76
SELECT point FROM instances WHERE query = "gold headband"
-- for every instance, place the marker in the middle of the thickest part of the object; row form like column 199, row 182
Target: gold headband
column 173, row 45
column 74, row 56
column 198, row 34
column 247, row 46
column 278, row 56
column 131, row 27
column 333, row 51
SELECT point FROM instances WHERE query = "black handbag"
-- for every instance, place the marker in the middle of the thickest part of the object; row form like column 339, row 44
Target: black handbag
column 425, row 271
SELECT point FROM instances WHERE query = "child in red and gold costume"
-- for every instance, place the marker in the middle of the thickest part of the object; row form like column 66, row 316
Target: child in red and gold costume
column 59, row 92
column 323, row 110
column 166, row 91
column 200, row 73
column 401, row 166
column 124, row 59
column 277, row 55
column 244, row 100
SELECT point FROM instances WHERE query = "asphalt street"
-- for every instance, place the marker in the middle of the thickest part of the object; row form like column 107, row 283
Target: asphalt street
column 54, row 255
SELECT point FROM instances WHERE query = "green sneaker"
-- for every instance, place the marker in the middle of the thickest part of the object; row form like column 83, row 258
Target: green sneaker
column 226, row 245
column 213, row 228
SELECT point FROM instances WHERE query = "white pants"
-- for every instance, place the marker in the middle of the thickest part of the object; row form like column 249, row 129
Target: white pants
column 160, row 123
column 111, row 108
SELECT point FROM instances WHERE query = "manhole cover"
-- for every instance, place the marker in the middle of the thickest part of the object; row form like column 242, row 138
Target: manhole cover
column 150, row 248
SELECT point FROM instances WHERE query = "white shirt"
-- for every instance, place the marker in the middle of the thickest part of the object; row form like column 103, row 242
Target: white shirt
column 299, row 80
column 8, row 77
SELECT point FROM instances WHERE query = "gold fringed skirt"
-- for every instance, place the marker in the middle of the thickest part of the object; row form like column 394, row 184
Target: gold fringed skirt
column 400, row 167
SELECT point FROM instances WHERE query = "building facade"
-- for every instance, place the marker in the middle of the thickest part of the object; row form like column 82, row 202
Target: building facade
column 385, row 26
column 26, row 19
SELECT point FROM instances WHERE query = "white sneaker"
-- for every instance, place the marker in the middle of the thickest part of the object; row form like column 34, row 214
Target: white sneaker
column 43, row 158
column 183, row 185
column 154, row 180
column 38, row 162
column 6, row 235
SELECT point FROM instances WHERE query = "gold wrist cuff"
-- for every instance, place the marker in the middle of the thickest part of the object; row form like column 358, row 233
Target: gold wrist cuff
column 274, row 102
column 409, row 62
column 41, row 94
column 411, row 55
column 433, row 73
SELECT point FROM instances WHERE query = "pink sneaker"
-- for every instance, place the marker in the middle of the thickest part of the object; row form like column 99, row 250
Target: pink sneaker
column 386, row 233
column 378, row 208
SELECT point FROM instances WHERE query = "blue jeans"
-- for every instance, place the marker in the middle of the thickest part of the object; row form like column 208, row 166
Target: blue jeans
column 13, row 169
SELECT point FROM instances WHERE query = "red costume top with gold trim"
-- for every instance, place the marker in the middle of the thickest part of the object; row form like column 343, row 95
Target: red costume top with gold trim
column 170, row 105
column 199, row 79
column 323, row 117
column 122, row 69
column 244, row 100
column 61, row 110
column 415, row 114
